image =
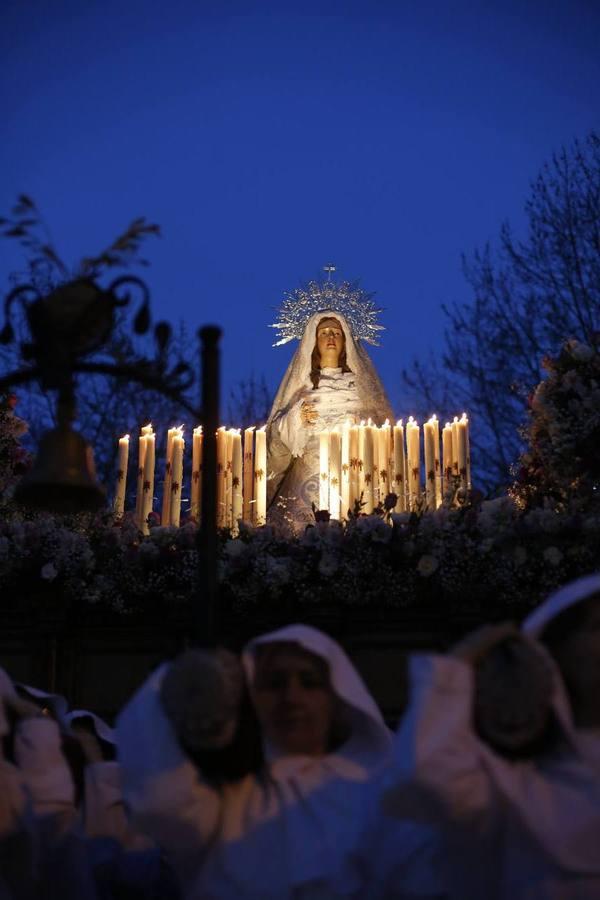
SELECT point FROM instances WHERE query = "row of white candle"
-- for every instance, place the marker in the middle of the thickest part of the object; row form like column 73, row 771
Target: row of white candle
column 364, row 461
column 368, row 462
column 241, row 476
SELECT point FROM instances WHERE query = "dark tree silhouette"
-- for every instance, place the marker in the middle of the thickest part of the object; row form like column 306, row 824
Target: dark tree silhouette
column 249, row 402
column 529, row 296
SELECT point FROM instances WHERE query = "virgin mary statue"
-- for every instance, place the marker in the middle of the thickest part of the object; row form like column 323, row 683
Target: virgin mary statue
column 330, row 381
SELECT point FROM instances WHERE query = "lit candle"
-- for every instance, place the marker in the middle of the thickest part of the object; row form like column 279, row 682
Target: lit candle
column 413, row 455
column 196, row 473
column 139, row 497
column 324, row 470
column 221, row 476
column 237, row 500
column 455, row 446
column 229, row 480
column 354, row 467
column 399, row 466
column 335, row 473
column 384, row 441
column 462, row 451
column 346, row 470
column 176, row 478
column 437, row 462
column 166, row 498
column 148, row 482
column 367, row 470
column 260, row 476
column 119, row 504
column 248, row 472
column 447, row 457
column 429, row 446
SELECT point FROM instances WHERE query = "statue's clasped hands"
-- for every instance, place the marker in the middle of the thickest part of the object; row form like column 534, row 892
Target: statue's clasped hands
column 308, row 413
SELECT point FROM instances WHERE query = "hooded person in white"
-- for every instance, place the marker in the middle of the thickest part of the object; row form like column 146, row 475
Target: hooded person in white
column 289, row 830
column 103, row 812
column 515, row 828
column 329, row 381
column 36, row 792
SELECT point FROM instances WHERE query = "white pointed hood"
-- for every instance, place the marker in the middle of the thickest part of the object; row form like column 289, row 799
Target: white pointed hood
column 370, row 736
column 559, row 601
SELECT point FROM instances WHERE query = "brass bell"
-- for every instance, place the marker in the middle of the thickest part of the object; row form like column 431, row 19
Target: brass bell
column 63, row 476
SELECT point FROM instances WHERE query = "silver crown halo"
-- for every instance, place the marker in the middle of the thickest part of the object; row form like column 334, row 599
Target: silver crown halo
column 345, row 297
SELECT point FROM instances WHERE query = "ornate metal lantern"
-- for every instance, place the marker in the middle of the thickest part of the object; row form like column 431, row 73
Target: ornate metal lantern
column 67, row 330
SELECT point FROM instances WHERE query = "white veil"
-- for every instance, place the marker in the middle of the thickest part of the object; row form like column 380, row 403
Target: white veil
column 372, row 394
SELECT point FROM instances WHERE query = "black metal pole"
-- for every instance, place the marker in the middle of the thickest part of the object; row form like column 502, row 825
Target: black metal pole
column 206, row 623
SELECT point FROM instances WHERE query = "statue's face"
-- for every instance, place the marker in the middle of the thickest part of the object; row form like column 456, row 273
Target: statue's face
column 330, row 342
column 294, row 700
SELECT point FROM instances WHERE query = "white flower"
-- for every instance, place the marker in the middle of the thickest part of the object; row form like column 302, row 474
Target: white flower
column 520, row 556
column 234, row 548
column 370, row 524
column 427, row 565
column 553, row 556
column 494, row 514
column 246, row 529
column 148, row 550
column 400, row 519
column 310, row 537
column 382, row 534
column 580, row 352
column 328, row 565
column 277, row 571
column 48, row 572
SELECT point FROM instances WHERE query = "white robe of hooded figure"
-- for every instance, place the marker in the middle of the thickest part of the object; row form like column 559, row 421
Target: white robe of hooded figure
column 513, row 830
column 37, row 797
column 292, row 446
column 18, row 856
column 289, row 832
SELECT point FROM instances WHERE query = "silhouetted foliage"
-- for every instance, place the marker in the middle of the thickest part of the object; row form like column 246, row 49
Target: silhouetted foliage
column 249, row 402
column 530, row 295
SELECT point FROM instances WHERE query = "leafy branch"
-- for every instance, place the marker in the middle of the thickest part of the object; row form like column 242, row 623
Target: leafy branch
column 26, row 225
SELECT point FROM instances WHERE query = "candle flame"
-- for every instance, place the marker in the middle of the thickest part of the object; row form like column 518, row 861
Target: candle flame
column 447, row 425
column 370, row 421
column 125, row 437
column 411, row 421
column 362, row 423
column 399, row 423
column 198, row 429
column 386, row 424
column 456, row 418
column 251, row 428
column 263, row 428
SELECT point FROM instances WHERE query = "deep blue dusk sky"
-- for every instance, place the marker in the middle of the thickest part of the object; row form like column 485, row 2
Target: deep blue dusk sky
column 269, row 138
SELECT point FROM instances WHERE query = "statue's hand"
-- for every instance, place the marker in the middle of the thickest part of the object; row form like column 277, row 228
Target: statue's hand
column 308, row 413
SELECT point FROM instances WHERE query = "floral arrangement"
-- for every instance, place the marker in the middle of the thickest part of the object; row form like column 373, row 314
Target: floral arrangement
column 561, row 467
column 491, row 557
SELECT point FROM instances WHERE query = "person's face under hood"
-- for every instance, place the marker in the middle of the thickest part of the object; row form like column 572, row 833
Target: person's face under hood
column 294, row 700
